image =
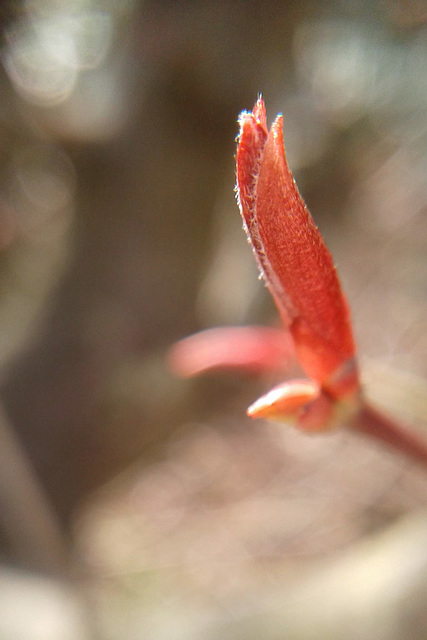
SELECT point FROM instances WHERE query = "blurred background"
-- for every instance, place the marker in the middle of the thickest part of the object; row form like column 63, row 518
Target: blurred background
column 136, row 505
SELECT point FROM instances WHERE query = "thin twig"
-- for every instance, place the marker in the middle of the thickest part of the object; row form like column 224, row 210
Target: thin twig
column 375, row 424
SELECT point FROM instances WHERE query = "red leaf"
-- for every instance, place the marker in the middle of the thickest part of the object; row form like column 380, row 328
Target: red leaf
column 295, row 262
column 285, row 400
column 247, row 349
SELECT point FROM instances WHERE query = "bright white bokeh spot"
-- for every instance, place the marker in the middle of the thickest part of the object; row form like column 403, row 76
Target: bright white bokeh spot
column 44, row 56
column 41, row 64
column 352, row 69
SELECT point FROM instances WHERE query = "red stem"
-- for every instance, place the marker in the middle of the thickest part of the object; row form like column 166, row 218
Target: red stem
column 373, row 423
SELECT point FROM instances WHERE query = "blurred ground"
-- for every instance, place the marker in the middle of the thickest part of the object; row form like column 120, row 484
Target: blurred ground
column 119, row 234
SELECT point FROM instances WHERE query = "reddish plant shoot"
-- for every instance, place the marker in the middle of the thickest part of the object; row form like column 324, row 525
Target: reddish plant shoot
column 301, row 276
column 294, row 259
column 298, row 269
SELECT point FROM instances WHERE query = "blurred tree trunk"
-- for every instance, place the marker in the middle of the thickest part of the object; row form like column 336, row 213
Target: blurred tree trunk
column 141, row 236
